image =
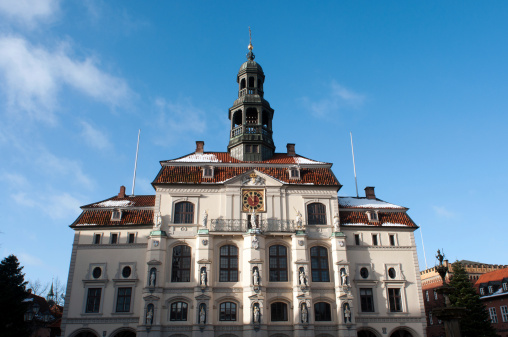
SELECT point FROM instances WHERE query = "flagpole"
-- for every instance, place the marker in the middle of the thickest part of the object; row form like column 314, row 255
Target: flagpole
column 354, row 165
column 135, row 165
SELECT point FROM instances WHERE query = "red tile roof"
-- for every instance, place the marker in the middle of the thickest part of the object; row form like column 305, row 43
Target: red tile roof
column 194, row 175
column 347, row 217
column 103, row 218
column 225, row 157
column 116, row 202
column 496, row 275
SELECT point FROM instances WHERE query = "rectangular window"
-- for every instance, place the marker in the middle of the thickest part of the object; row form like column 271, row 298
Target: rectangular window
column 394, row 299
column 427, row 295
column 357, row 239
column 430, row 318
column 504, row 313
column 93, row 300
column 392, row 240
column 178, row 311
column 493, row 315
column 114, row 238
column 131, row 238
column 374, row 239
column 482, row 291
column 96, row 239
column 435, row 295
column 123, row 300
column 491, row 290
column 366, row 300
column 505, row 286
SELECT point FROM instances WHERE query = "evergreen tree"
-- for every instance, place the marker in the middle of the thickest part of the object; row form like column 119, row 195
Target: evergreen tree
column 476, row 320
column 12, row 294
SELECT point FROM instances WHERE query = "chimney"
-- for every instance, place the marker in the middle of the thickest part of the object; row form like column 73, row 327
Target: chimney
column 200, row 145
column 369, row 192
column 121, row 194
column 291, row 149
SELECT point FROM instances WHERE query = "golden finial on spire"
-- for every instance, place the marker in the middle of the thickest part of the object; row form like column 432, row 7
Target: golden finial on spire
column 250, row 41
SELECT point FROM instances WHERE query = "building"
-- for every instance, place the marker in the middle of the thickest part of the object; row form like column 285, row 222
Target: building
column 247, row 242
column 431, row 281
column 493, row 290
column 43, row 316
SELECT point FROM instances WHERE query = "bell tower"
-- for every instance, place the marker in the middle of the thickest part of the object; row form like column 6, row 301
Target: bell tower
column 251, row 116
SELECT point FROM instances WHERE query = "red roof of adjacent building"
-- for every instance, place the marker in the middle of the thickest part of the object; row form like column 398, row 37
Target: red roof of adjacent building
column 496, row 275
column 225, row 157
column 194, row 175
column 103, row 218
column 385, row 219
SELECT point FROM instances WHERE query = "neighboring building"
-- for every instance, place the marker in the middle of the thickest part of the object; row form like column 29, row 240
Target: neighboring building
column 247, row 242
column 493, row 290
column 43, row 317
column 431, row 281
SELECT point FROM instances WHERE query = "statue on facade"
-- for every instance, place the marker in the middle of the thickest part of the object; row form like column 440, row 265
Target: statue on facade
column 440, row 257
column 303, row 277
column 158, row 220
column 149, row 315
column 343, row 276
column 257, row 314
column 347, row 313
column 152, row 279
column 202, row 315
column 298, row 219
column 255, row 243
column 255, row 277
column 253, row 224
column 336, row 222
column 205, row 218
column 305, row 313
column 203, row 277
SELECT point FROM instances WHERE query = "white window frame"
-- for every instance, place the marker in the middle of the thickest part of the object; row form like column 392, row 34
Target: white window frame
column 435, row 295
column 128, row 235
column 493, row 314
column 491, row 290
column 505, row 286
column 372, row 218
column 292, row 170
column 100, row 238
column 427, row 295
column 395, row 243
column 212, row 171
column 504, row 313
column 378, row 243
column 482, row 291
column 116, row 218
column 117, row 238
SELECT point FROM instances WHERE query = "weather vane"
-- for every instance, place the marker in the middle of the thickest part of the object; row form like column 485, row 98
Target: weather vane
column 250, row 40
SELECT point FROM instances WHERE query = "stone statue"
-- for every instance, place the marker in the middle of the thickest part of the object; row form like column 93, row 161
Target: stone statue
column 440, row 257
column 343, row 277
column 255, row 277
column 203, row 277
column 298, row 219
column 205, row 218
column 303, row 278
column 253, row 219
column 336, row 222
column 256, row 313
column 158, row 220
column 347, row 313
column 202, row 315
column 149, row 315
column 152, row 280
column 255, row 242
column 305, row 313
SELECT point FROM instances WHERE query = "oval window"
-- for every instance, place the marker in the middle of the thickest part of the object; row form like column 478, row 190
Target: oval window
column 392, row 273
column 364, row 272
column 126, row 271
column 97, row 272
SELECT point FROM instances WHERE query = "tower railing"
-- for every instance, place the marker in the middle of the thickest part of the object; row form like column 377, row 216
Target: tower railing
column 250, row 91
column 250, row 130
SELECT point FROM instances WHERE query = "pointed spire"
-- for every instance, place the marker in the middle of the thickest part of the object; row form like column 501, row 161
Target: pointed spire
column 51, row 293
column 250, row 54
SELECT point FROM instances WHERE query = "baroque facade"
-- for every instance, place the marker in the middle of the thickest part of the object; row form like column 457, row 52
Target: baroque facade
column 247, row 242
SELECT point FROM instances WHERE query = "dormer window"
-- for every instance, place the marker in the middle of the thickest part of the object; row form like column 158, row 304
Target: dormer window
column 117, row 215
column 373, row 216
column 491, row 290
column 505, row 286
column 482, row 291
column 208, row 172
column 294, row 172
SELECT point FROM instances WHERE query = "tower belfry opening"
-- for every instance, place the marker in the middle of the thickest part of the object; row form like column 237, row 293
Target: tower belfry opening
column 251, row 115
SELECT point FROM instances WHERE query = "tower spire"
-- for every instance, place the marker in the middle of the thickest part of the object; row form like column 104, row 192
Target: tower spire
column 250, row 41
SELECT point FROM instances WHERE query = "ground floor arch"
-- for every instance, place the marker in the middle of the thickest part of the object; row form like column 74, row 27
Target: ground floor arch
column 367, row 332
column 124, row 333
column 84, row 333
column 401, row 332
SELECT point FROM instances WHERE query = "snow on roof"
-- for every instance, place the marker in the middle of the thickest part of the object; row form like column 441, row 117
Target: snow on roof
column 352, row 202
column 198, row 158
column 114, row 203
column 387, row 224
column 302, row 160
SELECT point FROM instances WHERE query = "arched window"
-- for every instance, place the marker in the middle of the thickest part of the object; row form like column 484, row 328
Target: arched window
column 251, row 82
column 180, row 271
column 319, row 264
column 260, row 84
column 184, row 212
column 279, row 312
column 227, row 311
column 178, row 311
column 278, row 263
column 316, row 214
column 264, row 118
column 322, row 312
column 252, row 116
column 242, row 83
column 237, row 118
column 228, row 264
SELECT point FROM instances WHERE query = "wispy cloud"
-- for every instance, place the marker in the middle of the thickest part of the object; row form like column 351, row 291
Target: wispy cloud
column 55, row 165
column 33, row 75
column 56, row 206
column 14, row 179
column 338, row 97
column 30, row 260
column 29, row 12
column 94, row 137
column 443, row 212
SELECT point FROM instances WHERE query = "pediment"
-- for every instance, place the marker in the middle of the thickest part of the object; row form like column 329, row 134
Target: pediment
column 203, row 298
column 253, row 178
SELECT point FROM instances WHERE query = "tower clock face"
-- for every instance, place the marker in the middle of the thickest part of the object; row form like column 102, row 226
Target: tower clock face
column 253, row 200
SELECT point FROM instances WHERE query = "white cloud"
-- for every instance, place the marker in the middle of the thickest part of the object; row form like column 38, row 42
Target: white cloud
column 56, row 206
column 95, row 137
column 180, row 117
column 14, row 179
column 441, row 211
column 30, row 260
column 338, row 97
column 33, row 75
column 62, row 166
column 29, row 12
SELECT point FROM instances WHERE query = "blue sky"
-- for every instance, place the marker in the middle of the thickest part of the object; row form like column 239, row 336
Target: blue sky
column 421, row 85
